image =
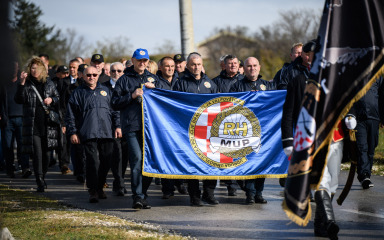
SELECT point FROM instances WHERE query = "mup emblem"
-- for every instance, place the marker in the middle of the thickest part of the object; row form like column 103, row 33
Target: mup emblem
column 223, row 132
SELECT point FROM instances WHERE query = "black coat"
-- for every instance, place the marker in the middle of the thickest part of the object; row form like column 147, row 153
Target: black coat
column 290, row 72
column 164, row 84
column 291, row 108
column 188, row 83
column 224, row 82
column 246, row 85
column 130, row 109
column 26, row 95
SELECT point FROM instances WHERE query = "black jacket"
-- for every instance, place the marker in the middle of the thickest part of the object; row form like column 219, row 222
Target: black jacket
column 164, row 84
column 89, row 113
column 188, row 83
column 291, row 71
column 291, row 108
column 246, row 85
column 224, row 82
column 371, row 105
column 276, row 78
column 26, row 95
column 130, row 109
column 103, row 77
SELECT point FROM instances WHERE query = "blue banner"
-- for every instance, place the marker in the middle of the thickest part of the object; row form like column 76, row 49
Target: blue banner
column 213, row 136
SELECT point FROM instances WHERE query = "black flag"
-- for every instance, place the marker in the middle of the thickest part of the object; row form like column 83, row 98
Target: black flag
column 348, row 60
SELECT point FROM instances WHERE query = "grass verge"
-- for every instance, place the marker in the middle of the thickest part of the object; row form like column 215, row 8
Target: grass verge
column 31, row 216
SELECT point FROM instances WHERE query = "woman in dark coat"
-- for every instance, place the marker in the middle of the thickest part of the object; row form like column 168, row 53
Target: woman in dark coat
column 39, row 134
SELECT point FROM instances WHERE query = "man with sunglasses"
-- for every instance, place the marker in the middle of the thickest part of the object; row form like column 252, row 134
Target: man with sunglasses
column 90, row 121
column 253, row 82
column 118, row 163
column 127, row 98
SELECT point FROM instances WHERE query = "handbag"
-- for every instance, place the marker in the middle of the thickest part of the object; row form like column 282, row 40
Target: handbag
column 53, row 116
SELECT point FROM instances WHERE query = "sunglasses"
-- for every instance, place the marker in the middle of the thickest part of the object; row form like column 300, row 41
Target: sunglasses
column 119, row 71
column 90, row 75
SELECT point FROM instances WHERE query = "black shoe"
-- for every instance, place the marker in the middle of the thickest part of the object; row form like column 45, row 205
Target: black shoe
column 125, row 191
column 120, row 192
column 80, row 178
column 231, row 191
column 157, row 181
column 167, row 195
column 40, row 188
column 145, row 204
column 26, row 173
column 260, row 199
column 366, row 183
column 137, row 203
column 101, row 194
column 250, row 200
column 282, row 182
column 210, row 200
column 93, row 196
column 196, row 202
column 182, row 189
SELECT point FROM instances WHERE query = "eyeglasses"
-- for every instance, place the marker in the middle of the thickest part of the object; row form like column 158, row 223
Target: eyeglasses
column 119, row 71
column 90, row 75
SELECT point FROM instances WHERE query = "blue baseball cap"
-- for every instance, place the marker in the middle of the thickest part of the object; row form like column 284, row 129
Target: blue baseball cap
column 141, row 53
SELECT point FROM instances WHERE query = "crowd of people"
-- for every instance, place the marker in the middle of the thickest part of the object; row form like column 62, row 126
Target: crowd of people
column 91, row 115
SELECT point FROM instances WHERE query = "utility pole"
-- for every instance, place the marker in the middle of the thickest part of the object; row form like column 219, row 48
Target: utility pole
column 186, row 27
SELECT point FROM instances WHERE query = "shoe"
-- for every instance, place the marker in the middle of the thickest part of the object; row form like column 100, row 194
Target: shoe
column 167, row 195
column 40, row 188
column 93, row 196
column 145, row 204
column 125, row 191
column 282, row 182
column 250, row 200
column 101, row 194
column 366, row 183
column 26, row 173
column 182, row 189
column 210, row 200
column 196, row 202
column 137, row 203
column 371, row 184
column 260, row 199
column 158, row 181
column 119, row 192
column 80, row 178
column 231, row 191
column 65, row 170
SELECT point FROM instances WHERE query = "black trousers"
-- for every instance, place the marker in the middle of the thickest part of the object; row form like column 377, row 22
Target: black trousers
column 64, row 150
column 41, row 156
column 119, row 164
column 208, row 187
column 98, row 153
column 367, row 138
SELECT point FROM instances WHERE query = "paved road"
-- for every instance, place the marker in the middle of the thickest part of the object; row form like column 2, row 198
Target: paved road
column 360, row 217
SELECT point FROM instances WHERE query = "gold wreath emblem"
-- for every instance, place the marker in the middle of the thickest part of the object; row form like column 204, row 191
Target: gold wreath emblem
column 150, row 79
column 104, row 93
column 207, row 84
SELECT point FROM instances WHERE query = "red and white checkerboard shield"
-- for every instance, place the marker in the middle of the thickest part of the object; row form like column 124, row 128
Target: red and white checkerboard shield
column 305, row 131
column 203, row 131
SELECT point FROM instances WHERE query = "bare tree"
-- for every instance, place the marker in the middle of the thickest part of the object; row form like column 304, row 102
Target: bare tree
column 75, row 45
column 115, row 48
column 168, row 47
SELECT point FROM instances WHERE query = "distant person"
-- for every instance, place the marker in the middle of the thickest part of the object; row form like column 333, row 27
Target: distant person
column 90, row 121
column 80, row 59
column 39, row 136
column 107, row 69
column 222, row 64
column 127, row 98
column 253, row 82
column 152, row 67
column 195, row 81
column 97, row 61
column 51, row 71
column 241, row 67
column 179, row 63
column 229, row 75
column 289, row 70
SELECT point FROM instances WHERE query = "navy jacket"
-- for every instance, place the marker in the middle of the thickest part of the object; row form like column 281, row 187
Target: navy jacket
column 371, row 105
column 89, row 113
column 224, row 82
column 130, row 109
column 164, row 84
column 246, row 85
column 290, row 72
column 188, row 83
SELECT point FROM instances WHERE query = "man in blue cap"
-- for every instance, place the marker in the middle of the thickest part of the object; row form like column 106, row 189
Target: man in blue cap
column 127, row 98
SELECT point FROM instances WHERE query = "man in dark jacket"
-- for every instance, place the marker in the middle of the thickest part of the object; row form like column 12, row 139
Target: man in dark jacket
column 166, row 73
column 118, row 163
column 127, row 98
column 368, row 112
column 90, row 121
column 295, row 52
column 195, row 81
column 253, row 82
column 97, row 61
column 229, row 75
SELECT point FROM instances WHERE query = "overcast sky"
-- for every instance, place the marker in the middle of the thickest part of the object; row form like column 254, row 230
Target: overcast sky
column 148, row 24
